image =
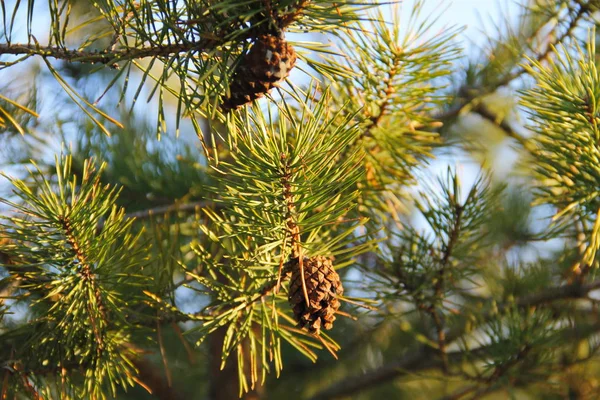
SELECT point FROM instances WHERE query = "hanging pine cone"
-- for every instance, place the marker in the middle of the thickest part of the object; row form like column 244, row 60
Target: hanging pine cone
column 323, row 285
column 265, row 66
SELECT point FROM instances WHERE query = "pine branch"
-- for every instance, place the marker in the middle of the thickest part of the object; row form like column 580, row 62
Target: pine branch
column 439, row 284
column 87, row 275
column 224, row 30
column 565, row 292
column 387, row 100
column 563, row 115
column 81, row 281
column 171, row 314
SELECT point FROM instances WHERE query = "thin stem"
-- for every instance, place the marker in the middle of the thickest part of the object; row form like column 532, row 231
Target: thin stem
column 388, row 92
column 582, row 11
column 485, row 112
column 469, row 96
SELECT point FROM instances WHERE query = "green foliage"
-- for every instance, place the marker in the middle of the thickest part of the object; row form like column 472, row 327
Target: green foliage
column 79, row 269
column 522, row 344
column 119, row 278
column 294, row 162
column 430, row 264
column 190, row 51
column 563, row 114
column 164, row 170
column 285, row 172
column 392, row 77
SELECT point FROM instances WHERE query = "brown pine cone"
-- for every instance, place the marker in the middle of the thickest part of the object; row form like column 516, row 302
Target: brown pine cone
column 265, row 66
column 323, row 285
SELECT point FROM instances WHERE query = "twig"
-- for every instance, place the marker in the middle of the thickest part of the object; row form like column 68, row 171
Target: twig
column 579, row 15
column 291, row 223
column 111, row 56
column 163, row 354
column 86, row 273
column 419, row 358
column 188, row 349
column 388, row 92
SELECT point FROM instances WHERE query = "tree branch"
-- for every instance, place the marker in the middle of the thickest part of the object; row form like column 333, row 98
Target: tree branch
column 485, row 112
column 420, row 358
column 111, row 56
column 440, row 283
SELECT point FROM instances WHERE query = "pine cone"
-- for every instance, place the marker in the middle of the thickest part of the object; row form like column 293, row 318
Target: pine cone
column 323, row 285
column 265, row 66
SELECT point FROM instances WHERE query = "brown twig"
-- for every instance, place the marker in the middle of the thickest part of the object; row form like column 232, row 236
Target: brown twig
column 163, row 354
column 485, row 112
column 188, row 349
column 105, row 57
column 111, row 56
column 583, row 11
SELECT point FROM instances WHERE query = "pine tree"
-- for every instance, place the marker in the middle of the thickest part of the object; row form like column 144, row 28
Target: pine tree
column 200, row 201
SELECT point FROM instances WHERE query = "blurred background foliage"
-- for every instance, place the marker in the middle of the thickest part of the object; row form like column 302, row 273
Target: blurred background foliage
column 478, row 185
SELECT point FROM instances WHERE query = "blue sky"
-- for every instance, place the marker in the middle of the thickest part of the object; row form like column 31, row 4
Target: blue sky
column 475, row 15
